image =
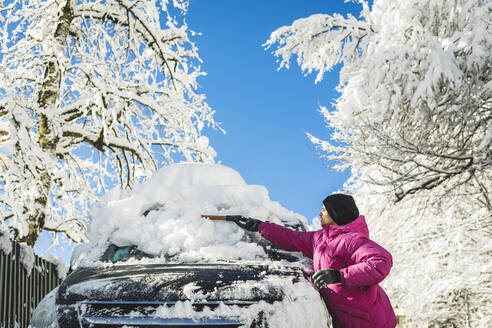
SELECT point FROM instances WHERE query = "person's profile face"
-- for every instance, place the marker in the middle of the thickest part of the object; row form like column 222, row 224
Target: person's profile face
column 325, row 217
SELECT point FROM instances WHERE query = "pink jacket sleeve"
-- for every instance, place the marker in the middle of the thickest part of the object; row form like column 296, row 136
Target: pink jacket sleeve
column 372, row 263
column 287, row 239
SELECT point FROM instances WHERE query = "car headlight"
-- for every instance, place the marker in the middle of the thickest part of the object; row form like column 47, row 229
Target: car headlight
column 45, row 314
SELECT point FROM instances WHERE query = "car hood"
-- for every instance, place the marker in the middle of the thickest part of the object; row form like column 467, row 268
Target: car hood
column 175, row 282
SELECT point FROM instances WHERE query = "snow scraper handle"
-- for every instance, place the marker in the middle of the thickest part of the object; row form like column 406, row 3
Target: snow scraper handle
column 232, row 218
column 245, row 223
column 215, row 217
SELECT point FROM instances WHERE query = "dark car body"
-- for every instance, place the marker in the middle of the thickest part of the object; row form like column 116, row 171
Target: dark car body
column 105, row 297
column 138, row 268
column 128, row 295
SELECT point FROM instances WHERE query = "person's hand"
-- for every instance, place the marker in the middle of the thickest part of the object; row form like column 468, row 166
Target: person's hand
column 326, row 277
column 246, row 223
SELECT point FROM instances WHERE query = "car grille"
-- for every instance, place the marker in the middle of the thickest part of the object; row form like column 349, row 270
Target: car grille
column 109, row 314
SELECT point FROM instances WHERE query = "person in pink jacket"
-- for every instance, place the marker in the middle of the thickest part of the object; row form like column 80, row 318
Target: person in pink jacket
column 348, row 265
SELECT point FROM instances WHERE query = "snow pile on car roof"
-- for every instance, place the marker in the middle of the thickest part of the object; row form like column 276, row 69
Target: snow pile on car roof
column 162, row 216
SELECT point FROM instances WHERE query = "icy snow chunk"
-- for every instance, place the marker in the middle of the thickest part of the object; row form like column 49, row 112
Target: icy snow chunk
column 5, row 243
column 60, row 266
column 193, row 292
column 27, row 257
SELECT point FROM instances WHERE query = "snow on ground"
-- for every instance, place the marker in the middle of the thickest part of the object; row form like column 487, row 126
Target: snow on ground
column 162, row 216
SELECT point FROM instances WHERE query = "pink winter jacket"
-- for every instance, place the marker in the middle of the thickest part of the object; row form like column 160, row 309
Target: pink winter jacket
column 358, row 301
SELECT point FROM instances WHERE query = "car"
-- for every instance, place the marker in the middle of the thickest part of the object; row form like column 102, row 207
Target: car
column 124, row 282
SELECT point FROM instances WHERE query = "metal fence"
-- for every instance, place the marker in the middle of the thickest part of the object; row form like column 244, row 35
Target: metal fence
column 21, row 291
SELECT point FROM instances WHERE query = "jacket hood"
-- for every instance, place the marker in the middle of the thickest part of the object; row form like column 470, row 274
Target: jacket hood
column 359, row 225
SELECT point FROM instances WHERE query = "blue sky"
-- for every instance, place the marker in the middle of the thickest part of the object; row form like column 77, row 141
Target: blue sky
column 265, row 111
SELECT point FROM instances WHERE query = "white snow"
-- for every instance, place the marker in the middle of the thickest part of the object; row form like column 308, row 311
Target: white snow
column 5, row 243
column 414, row 107
column 173, row 199
column 162, row 217
column 487, row 139
column 60, row 266
column 301, row 305
column 303, row 308
column 27, row 257
column 117, row 93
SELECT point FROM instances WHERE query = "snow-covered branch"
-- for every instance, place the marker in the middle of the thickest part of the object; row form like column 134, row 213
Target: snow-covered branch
column 96, row 93
column 415, row 96
column 320, row 41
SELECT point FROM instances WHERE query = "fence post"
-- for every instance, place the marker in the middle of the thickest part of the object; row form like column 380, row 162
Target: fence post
column 21, row 291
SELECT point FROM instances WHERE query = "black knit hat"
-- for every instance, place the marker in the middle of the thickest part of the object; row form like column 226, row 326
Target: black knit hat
column 341, row 208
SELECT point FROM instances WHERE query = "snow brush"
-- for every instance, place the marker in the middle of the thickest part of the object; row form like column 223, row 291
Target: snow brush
column 220, row 217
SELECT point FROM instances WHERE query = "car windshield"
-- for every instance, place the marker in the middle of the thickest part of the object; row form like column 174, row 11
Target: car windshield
column 120, row 254
column 115, row 253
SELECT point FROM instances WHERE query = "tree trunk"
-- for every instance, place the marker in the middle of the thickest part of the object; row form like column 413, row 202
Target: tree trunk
column 47, row 100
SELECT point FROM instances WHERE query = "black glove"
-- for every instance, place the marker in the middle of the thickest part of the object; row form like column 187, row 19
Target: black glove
column 326, row 277
column 245, row 223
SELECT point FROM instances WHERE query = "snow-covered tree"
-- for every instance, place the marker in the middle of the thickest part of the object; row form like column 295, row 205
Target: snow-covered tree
column 442, row 273
column 414, row 123
column 94, row 93
column 415, row 90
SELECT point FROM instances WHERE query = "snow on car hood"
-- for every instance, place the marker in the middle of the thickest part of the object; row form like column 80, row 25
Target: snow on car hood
column 162, row 217
column 277, row 296
column 179, row 282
